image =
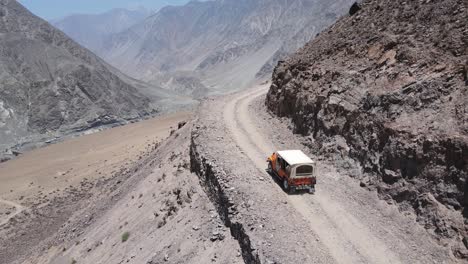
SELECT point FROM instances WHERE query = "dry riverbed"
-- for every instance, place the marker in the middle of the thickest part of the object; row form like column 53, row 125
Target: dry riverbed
column 90, row 157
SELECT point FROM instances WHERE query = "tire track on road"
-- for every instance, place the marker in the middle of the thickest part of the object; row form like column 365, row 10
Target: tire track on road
column 346, row 238
column 19, row 208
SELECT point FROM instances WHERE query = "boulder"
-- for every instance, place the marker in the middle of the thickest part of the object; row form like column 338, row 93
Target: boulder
column 354, row 9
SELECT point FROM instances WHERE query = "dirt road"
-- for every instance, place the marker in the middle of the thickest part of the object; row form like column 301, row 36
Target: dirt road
column 350, row 222
column 18, row 209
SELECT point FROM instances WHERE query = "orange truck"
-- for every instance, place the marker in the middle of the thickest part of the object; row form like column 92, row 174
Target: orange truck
column 294, row 169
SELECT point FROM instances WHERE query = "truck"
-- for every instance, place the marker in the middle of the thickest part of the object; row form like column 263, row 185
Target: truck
column 294, row 170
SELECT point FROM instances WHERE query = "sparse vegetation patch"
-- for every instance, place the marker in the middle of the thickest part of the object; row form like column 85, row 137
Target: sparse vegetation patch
column 125, row 237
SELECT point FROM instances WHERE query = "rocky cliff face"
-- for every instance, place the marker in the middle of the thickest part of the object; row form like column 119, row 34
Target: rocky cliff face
column 49, row 85
column 387, row 86
column 225, row 44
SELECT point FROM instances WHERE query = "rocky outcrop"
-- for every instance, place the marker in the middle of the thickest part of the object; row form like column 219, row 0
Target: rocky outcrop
column 210, row 177
column 387, row 87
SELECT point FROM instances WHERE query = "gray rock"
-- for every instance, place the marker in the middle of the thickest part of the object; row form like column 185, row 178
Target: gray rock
column 405, row 128
column 390, row 176
column 51, row 86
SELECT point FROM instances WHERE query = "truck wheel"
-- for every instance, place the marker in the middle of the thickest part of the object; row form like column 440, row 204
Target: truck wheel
column 312, row 190
column 286, row 185
column 270, row 168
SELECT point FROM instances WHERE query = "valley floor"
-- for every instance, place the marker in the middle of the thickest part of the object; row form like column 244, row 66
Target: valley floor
column 90, row 157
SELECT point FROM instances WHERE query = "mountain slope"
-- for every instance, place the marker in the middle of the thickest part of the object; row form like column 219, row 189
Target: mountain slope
column 225, row 43
column 50, row 85
column 91, row 30
column 387, row 86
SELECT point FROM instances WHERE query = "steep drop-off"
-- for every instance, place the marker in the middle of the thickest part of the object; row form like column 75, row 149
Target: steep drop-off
column 387, row 86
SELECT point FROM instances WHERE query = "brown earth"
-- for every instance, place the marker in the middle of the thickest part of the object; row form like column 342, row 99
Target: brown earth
column 162, row 208
column 88, row 157
column 114, row 182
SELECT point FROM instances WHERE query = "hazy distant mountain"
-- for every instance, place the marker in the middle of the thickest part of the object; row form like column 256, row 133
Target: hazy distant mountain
column 91, row 30
column 225, row 43
column 50, row 85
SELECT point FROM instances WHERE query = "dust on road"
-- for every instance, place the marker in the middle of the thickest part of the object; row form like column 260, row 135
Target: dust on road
column 348, row 237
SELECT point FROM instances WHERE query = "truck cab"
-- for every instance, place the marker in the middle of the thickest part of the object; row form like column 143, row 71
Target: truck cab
column 294, row 169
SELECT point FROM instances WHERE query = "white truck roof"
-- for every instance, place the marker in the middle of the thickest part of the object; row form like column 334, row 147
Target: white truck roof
column 295, row 157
